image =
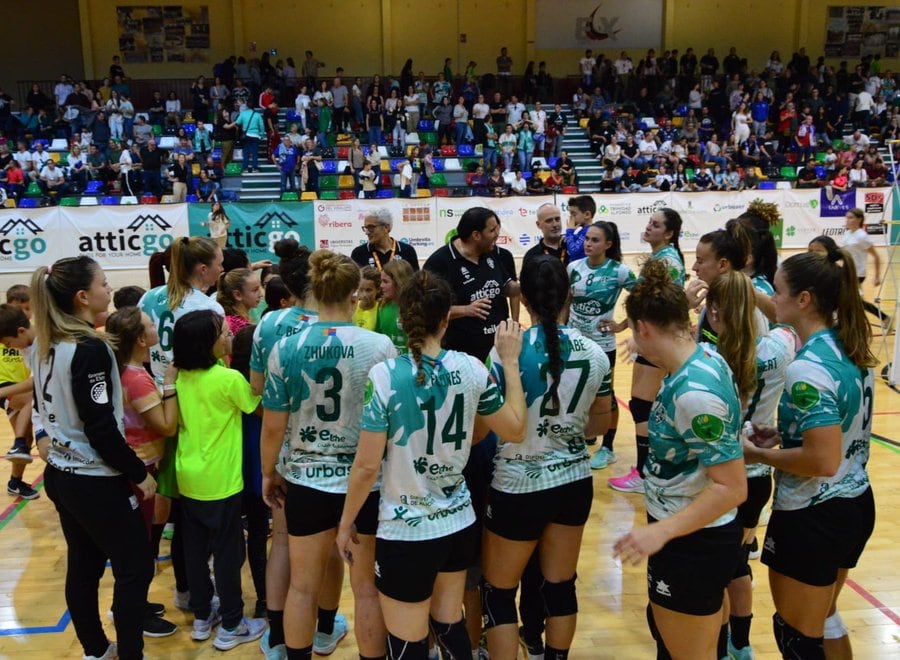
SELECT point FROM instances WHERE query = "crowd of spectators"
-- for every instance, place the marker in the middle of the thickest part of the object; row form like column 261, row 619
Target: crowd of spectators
column 669, row 122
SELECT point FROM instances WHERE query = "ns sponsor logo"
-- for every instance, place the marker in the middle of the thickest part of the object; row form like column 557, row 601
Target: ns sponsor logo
column 20, row 240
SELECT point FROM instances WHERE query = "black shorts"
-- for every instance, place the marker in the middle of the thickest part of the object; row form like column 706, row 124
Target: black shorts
column 523, row 516
column 405, row 570
column 640, row 359
column 4, row 401
column 811, row 544
column 758, row 491
column 690, row 573
column 309, row 511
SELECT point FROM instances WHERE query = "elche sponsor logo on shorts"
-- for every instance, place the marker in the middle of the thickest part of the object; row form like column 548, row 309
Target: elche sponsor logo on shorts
column 145, row 235
column 20, row 240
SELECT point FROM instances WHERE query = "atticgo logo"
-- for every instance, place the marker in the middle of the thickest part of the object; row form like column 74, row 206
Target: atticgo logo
column 145, row 235
column 19, row 240
column 268, row 229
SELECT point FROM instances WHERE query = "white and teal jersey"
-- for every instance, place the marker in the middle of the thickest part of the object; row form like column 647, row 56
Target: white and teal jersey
column 774, row 353
column 319, row 376
column 694, row 423
column 824, row 388
column 595, row 290
column 429, row 435
column 676, row 267
column 274, row 327
column 553, row 452
column 760, row 283
column 155, row 304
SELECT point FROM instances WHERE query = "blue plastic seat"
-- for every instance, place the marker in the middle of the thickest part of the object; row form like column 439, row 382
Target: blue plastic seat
column 465, row 150
column 192, row 199
column 93, row 187
column 110, row 200
column 28, row 203
column 293, row 115
column 397, row 163
column 384, row 193
column 820, row 171
column 553, row 161
column 438, row 164
column 767, row 185
column 426, row 125
column 329, row 167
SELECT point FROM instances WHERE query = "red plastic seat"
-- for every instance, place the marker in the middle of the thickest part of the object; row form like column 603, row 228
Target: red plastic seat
column 448, row 151
column 441, row 192
column 346, row 194
column 343, row 152
column 149, row 199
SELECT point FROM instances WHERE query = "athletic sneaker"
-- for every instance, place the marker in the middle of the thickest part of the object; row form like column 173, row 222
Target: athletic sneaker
column 156, row 626
column 248, row 630
column 326, row 644
column 203, row 627
column 19, row 453
column 278, row 652
column 628, row 483
column 112, row 652
column 534, row 648
column 168, row 531
column 755, row 552
column 18, row 488
column 434, row 653
column 602, row 458
column 745, row 653
column 156, row 609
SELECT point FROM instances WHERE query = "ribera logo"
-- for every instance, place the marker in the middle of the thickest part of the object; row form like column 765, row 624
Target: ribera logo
column 145, row 235
column 20, row 240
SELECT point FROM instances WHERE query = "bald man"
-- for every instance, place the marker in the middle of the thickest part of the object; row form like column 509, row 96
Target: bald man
column 549, row 222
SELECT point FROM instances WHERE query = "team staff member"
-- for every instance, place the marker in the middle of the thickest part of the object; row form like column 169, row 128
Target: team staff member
column 381, row 248
column 823, row 511
column 549, row 223
column 418, row 417
column 695, row 477
column 661, row 234
column 89, row 465
column 322, row 408
column 731, row 308
column 478, row 280
column 293, row 268
column 546, row 497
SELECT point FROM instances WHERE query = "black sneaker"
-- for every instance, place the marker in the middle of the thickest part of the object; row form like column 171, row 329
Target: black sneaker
column 155, row 609
column 155, row 626
column 18, row 488
column 19, row 453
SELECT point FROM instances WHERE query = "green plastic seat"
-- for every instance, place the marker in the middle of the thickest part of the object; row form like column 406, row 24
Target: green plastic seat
column 438, row 179
column 290, row 197
column 157, row 130
column 233, row 169
column 838, row 145
column 789, row 172
column 69, row 201
column 820, row 157
column 328, row 194
column 689, row 174
column 429, row 138
column 34, row 190
column 328, row 182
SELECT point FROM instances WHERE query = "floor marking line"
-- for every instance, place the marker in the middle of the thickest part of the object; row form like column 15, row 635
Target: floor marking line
column 60, row 626
column 18, row 504
column 873, row 601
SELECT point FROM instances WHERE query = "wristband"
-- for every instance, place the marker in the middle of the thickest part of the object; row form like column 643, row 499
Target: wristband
column 168, row 388
column 170, row 396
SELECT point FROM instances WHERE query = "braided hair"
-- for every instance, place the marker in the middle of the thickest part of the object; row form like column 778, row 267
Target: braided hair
column 424, row 301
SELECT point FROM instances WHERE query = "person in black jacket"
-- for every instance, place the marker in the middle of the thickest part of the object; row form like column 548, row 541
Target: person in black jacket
column 93, row 477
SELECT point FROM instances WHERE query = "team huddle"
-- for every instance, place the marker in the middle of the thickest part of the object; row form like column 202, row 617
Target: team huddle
column 449, row 461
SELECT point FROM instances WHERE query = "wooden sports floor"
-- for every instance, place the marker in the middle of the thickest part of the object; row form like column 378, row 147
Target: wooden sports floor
column 34, row 622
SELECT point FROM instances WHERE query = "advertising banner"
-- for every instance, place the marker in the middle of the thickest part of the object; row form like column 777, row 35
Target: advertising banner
column 614, row 24
column 256, row 227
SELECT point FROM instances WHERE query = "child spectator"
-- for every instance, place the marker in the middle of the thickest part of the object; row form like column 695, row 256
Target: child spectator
column 581, row 215
column 128, row 296
column 238, row 291
column 208, row 467
column 395, row 274
column 366, row 314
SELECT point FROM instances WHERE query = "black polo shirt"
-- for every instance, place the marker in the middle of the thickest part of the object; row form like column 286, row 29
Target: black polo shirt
column 539, row 249
column 364, row 256
column 471, row 281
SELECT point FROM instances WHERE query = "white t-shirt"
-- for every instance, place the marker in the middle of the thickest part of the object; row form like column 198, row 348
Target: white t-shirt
column 514, row 113
column 479, row 110
column 587, row 65
column 857, row 243
column 54, row 175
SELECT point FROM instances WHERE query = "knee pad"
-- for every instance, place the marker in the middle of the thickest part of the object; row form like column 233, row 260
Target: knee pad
column 794, row 644
column 452, row 638
column 834, row 626
column 640, row 410
column 559, row 598
column 498, row 606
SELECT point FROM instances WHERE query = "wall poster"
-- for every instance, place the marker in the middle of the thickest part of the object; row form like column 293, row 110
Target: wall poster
column 153, row 34
column 864, row 30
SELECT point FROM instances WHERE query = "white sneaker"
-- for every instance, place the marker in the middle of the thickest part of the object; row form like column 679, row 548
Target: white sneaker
column 248, row 630
column 203, row 627
column 112, row 652
column 326, row 644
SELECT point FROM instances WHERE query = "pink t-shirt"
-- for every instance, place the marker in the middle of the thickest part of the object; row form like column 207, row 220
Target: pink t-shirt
column 141, row 395
column 235, row 323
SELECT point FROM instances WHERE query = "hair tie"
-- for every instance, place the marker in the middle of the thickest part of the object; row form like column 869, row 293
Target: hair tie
column 185, row 240
column 49, row 270
column 834, row 256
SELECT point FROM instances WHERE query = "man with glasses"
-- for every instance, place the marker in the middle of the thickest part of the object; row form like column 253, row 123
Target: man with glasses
column 381, row 248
